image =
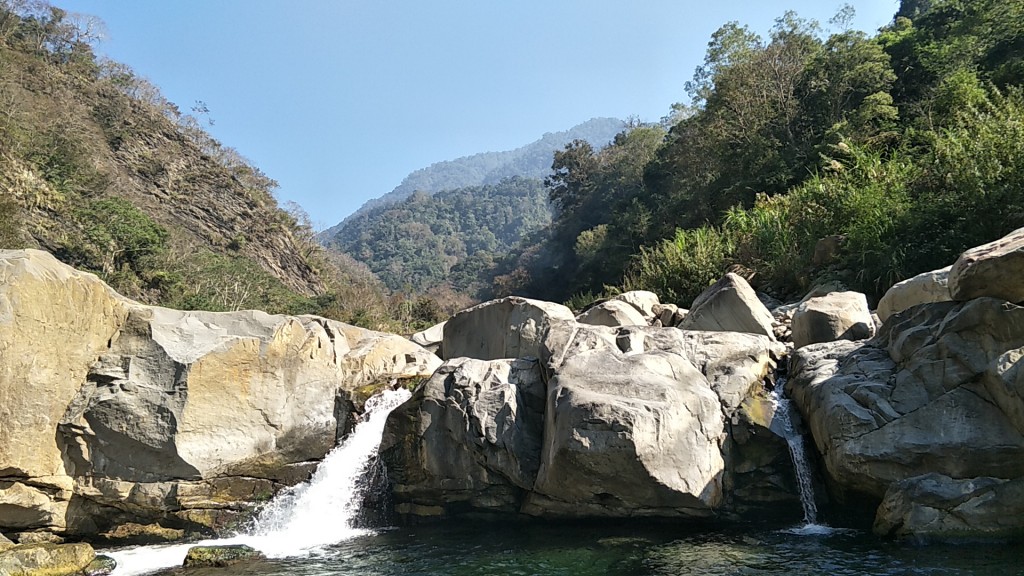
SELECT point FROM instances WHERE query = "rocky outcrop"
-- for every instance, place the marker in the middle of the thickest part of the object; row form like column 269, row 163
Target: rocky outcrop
column 730, row 305
column 937, row 391
column 470, row 436
column 45, row 559
column 925, row 288
column 612, row 313
column 609, row 422
column 937, row 507
column 117, row 412
column 834, row 316
column 506, row 328
column 993, row 270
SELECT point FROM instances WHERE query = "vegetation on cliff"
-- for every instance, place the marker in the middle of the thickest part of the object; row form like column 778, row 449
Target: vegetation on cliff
column 905, row 148
column 98, row 168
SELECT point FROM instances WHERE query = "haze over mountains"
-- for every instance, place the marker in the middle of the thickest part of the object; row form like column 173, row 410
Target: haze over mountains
column 530, row 161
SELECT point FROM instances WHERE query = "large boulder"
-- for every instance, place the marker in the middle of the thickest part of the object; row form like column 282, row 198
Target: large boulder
column 612, row 313
column 510, row 327
column 730, row 305
column 938, row 390
column 632, row 421
column 834, row 316
column 114, row 411
column 925, row 288
column 627, row 432
column 469, row 436
column 937, row 507
column 994, row 270
column 221, row 556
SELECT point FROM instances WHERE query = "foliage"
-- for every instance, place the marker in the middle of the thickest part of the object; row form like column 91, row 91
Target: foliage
column 680, row 268
column 416, row 245
column 897, row 147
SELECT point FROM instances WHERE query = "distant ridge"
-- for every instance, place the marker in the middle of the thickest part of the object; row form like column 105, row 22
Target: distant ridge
column 530, row 161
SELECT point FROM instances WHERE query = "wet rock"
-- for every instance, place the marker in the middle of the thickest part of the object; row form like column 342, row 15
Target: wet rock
column 100, row 566
column 45, row 559
column 937, row 507
column 221, row 556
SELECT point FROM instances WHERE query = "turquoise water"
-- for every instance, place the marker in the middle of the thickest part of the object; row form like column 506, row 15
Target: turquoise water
column 532, row 549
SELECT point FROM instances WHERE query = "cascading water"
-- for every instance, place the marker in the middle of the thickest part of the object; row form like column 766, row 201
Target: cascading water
column 305, row 517
column 802, row 468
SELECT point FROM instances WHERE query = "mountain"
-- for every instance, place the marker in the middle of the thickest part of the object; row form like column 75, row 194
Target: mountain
column 530, row 161
column 424, row 241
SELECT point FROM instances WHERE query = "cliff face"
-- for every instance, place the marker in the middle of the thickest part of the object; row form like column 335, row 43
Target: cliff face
column 113, row 412
column 99, row 169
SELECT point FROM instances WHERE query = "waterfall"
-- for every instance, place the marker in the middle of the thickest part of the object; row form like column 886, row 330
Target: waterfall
column 303, row 518
column 802, row 468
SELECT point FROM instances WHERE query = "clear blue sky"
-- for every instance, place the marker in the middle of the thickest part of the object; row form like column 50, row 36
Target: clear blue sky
column 339, row 99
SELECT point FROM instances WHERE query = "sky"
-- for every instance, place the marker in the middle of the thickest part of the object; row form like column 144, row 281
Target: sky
column 338, row 100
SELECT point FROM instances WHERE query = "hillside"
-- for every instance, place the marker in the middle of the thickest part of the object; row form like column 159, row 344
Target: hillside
column 530, row 161
column 447, row 239
column 801, row 158
column 99, row 169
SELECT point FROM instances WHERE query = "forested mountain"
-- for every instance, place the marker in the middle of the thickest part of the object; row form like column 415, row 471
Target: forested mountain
column 102, row 171
column 449, row 239
column 902, row 148
column 530, row 161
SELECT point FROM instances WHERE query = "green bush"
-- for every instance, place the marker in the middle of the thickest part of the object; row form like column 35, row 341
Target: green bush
column 679, row 269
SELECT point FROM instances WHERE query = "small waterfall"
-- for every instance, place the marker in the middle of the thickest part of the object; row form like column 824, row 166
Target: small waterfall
column 795, row 441
column 303, row 518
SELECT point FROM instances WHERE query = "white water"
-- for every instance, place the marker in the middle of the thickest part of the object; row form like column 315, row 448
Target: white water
column 302, row 519
column 802, row 468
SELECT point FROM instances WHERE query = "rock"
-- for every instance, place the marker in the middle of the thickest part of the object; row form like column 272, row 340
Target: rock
column 109, row 407
column 131, row 533
column 730, row 305
column 993, row 270
column 612, row 313
column 936, row 391
column 734, row 363
column 221, row 556
column 23, row 506
column 665, row 313
column 835, row 316
column 430, row 336
column 5, row 543
column 54, row 323
column 470, row 435
column 937, row 507
column 38, row 537
column 643, row 301
column 100, row 566
column 45, row 559
column 925, row 288
column 511, row 327
column 827, row 249
column 627, row 433
column 632, row 422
